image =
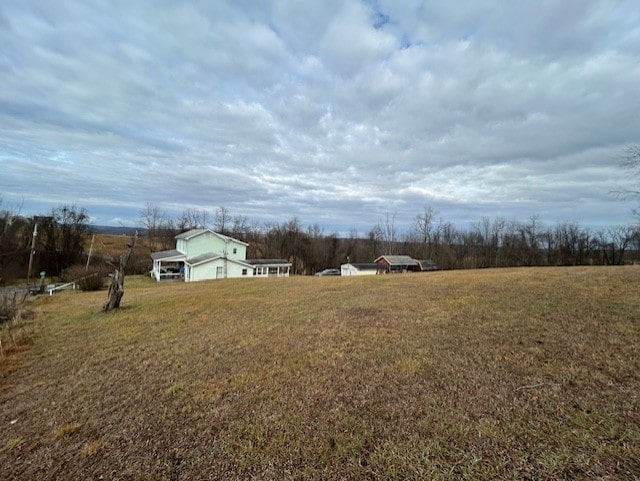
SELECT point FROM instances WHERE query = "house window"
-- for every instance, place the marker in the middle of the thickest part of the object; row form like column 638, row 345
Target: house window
column 244, row 272
column 235, row 250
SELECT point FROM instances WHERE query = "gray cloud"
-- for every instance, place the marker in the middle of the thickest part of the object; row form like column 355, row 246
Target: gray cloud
column 336, row 112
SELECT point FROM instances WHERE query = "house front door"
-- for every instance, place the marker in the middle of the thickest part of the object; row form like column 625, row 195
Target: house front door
column 219, row 272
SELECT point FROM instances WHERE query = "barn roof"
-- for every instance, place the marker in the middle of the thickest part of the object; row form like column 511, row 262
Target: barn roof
column 398, row 260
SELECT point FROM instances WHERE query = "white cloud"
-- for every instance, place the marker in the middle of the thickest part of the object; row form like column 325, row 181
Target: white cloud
column 331, row 111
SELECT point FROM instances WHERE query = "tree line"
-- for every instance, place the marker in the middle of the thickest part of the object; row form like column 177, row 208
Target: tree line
column 63, row 234
column 60, row 241
column 488, row 242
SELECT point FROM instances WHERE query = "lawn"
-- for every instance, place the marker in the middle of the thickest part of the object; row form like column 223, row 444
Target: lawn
column 487, row 374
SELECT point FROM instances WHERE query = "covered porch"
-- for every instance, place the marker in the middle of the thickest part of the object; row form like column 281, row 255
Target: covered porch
column 168, row 265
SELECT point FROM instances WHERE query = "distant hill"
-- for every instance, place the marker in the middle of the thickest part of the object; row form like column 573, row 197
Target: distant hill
column 117, row 230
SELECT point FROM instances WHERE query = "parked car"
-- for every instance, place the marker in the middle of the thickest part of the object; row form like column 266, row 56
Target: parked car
column 329, row 272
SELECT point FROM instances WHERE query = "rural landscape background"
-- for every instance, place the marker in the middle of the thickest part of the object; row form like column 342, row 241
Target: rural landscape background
column 517, row 359
column 63, row 245
column 496, row 142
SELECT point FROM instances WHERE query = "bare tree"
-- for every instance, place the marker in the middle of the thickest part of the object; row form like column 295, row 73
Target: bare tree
column 384, row 233
column 70, row 231
column 11, row 249
column 424, row 230
column 530, row 235
column 351, row 252
column 153, row 219
column 239, row 226
column 193, row 219
column 631, row 161
column 222, row 220
column 491, row 234
column 374, row 242
column 285, row 241
column 449, row 256
column 314, row 256
column 614, row 242
column 116, row 287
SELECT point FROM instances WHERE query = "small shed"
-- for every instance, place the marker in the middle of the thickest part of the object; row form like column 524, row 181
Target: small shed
column 427, row 265
column 391, row 264
column 358, row 269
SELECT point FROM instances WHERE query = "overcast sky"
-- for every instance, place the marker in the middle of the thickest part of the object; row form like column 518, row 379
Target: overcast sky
column 337, row 112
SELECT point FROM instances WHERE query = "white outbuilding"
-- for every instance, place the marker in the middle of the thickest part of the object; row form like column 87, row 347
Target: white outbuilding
column 358, row 269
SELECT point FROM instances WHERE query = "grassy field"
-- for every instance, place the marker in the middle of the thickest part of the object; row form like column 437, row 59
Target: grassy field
column 493, row 374
column 112, row 245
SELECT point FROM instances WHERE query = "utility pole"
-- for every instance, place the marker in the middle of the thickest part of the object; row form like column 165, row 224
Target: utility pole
column 93, row 237
column 33, row 251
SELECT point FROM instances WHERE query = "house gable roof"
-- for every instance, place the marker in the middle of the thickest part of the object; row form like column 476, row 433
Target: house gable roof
column 398, row 260
column 196, row 232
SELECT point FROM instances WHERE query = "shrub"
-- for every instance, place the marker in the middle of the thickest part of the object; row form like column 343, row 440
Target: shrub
column 91, row 279
column 93, row 282
column 9, row 305
column 16, row 330
column 138, row 264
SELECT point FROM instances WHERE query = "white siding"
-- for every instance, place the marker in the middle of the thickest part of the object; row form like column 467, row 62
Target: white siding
column 203, row 244
column 208, row 242
column 240, row 251
column 236, row 270
column 209, row 270
column 206, row 270
column 351, row 270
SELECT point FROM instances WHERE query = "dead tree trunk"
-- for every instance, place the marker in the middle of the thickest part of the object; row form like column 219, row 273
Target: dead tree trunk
column 116, row 286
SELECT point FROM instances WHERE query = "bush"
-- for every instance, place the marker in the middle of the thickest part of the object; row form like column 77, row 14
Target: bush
column 91, row 279
column 94, row 282
column 9, row 305
column 138, row 265
column 16, row 330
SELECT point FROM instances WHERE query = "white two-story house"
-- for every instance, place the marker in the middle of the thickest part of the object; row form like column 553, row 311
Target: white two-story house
column 202, row 254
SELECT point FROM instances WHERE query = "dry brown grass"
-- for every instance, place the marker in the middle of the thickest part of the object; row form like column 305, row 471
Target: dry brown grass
column 18, row 332
column 495, row 374
column 112, row 245
column 66, row 430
